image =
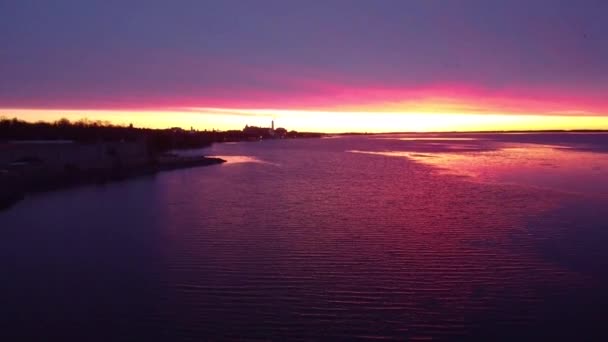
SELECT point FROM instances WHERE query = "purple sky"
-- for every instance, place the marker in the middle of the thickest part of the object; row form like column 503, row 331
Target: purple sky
column 297, row 54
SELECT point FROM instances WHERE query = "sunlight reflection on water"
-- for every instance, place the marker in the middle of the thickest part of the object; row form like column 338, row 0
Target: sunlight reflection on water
column 431, row 138
column 548, row 166
column 243, row 159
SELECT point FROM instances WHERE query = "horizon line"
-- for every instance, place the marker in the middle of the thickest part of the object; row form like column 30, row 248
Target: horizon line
column 577, row 130
column 323, row 121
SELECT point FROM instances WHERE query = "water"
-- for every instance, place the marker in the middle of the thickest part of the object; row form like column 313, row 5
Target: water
column 395, row 237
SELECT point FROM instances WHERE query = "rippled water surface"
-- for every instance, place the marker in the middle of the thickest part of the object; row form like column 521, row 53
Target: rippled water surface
column 497, row 236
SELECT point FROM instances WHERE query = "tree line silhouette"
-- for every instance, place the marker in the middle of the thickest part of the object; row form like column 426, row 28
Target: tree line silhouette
column 94, row 131
column 90, row 131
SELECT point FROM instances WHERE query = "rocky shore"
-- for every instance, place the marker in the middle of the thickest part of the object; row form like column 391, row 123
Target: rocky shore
column 14, row 186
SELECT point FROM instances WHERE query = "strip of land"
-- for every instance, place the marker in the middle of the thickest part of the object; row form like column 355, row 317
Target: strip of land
column 42, row 156
column 58, row 167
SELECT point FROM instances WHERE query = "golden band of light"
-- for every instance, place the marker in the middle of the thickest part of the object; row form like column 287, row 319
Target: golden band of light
column 321, row 121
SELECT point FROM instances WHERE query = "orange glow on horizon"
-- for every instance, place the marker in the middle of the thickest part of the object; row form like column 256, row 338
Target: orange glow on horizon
column 343, row 108
column 322, row 121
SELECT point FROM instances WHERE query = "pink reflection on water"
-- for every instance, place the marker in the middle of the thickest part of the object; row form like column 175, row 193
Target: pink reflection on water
column 431, row 138
column 241, row 159
column 547, row 166
column 349, row 240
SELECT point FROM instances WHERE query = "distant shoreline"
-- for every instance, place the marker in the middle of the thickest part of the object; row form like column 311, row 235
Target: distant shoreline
column 476, row 132
column 45, row 156
column 40, row 157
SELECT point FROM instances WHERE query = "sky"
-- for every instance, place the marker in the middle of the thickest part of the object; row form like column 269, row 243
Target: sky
column 330, row 65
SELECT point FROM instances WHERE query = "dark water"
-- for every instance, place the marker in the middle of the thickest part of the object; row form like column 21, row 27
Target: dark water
column 445, row 237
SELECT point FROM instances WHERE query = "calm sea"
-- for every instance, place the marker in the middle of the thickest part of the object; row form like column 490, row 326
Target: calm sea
column 407, row 237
